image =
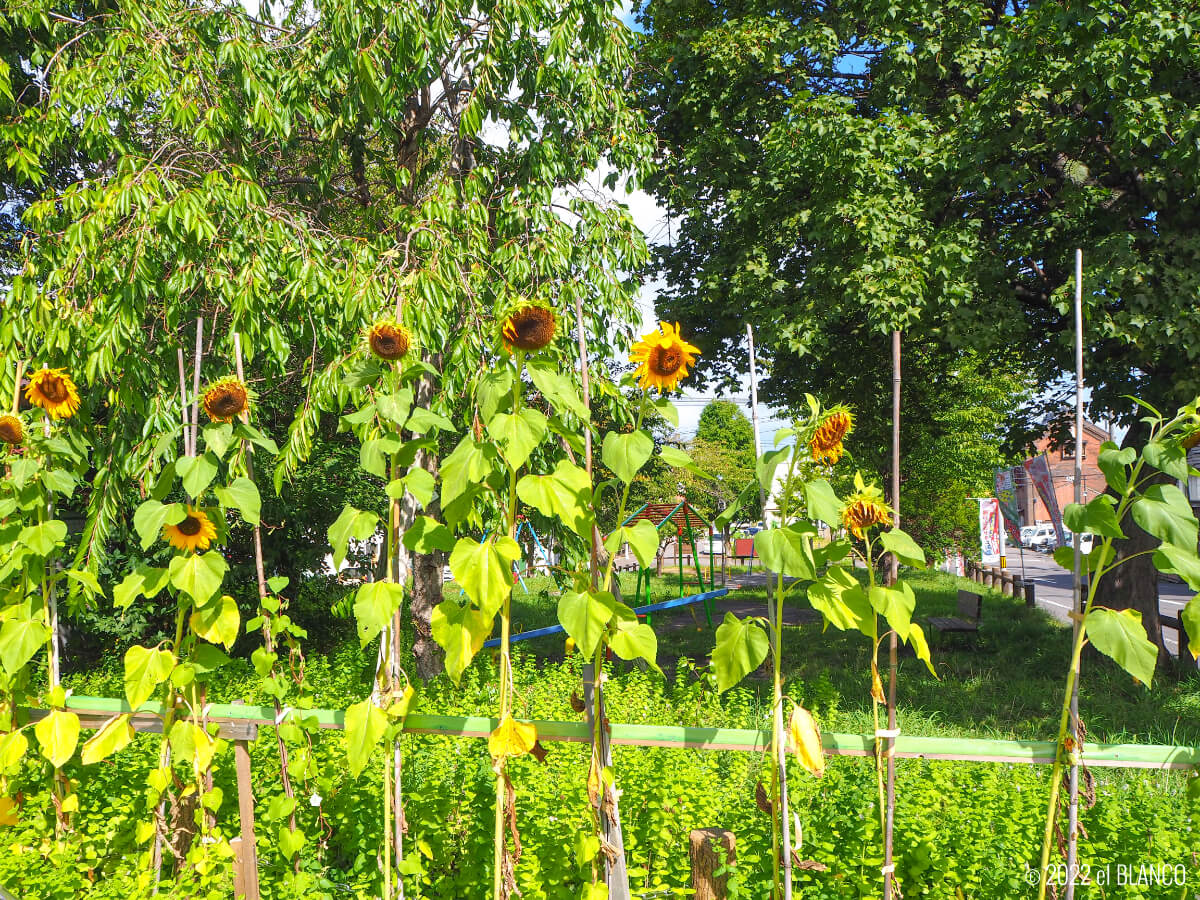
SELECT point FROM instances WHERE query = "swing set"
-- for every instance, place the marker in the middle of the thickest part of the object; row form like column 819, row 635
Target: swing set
column 681, row 519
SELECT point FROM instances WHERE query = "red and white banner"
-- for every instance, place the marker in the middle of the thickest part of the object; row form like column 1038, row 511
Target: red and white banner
column 1039, row 474
column 991, row 539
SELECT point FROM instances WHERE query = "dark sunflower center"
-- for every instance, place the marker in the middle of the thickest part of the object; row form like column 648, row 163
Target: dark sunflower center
column 189, row 526
column 227, row 402
column 666, row 360
column 534, row 327
column 53, row 389
column 10, row 431
column 389, row 342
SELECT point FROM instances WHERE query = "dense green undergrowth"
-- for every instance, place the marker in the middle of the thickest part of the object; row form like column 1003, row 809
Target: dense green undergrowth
column 963, row 829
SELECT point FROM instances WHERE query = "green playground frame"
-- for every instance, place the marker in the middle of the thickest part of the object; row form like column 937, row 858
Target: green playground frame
column 683, row 516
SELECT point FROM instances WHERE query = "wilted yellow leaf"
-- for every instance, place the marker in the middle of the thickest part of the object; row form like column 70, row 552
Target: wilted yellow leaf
column 8, row 811
column 511, row 738
column 806, row 741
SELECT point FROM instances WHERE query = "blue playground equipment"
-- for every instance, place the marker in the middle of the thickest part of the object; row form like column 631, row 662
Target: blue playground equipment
column 524, row 524
column 683, row 520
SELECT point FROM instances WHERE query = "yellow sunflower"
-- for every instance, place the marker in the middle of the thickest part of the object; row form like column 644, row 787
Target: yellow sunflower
column 865, row 508
column 389, row 340
column 529, row 328
column 195, row 532
column 226, row 399
column 12, row 430
column 54, row 391
column 663, row 358
column 826, row 442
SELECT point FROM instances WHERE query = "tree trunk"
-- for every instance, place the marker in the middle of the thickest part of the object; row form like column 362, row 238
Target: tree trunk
column 426, row 567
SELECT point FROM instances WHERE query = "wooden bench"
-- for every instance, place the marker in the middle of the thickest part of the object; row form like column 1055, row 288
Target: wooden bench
column 970, row 611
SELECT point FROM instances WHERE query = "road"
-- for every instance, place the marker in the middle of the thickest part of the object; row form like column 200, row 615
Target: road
column 1053, row 591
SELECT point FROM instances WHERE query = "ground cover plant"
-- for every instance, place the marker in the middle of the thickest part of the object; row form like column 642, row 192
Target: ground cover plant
column 1004, row 687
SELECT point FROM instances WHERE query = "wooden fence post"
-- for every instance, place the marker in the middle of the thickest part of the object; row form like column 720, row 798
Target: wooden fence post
column 1029, row 594
column 710, row 849
column 245, row 862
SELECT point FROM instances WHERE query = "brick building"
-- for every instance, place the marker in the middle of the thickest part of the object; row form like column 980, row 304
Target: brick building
column 1062, row 474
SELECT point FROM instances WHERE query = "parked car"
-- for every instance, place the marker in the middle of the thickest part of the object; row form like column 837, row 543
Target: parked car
column 1027, row 532
column 1086, row 542
column 714, row 546
column 1043, row 539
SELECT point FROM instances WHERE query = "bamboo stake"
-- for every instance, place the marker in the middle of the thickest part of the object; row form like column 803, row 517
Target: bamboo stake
column 893, row 575
column 16, row 401
column 196, row 380
column 183, row 404
column 268, row 639
column 1076, row 588
column 776, row 633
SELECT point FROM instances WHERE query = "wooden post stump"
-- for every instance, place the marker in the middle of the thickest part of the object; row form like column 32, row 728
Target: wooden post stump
column 710, row 849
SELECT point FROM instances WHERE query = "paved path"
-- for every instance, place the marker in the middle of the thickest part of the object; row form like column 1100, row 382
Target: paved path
column 1053, row 591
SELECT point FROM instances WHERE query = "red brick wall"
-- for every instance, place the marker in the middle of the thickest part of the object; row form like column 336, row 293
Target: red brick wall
column 1062, row 472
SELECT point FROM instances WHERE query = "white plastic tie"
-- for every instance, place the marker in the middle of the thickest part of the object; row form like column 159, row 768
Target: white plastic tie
column 283, row 714
column 888, row 869
column 887, row 732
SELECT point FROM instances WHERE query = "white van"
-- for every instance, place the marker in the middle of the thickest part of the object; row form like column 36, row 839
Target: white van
column 1044, row 538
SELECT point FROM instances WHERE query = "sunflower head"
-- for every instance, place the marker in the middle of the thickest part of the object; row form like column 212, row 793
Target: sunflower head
column 12, row 431
column 226, row 399
column 865, row 508
column 663, row 358
column 826, row 442
column 195, row 532
column 389, row 340
column 54, row 391
column 529, row 327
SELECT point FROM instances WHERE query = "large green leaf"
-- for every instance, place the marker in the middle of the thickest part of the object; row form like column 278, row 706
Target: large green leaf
column 198, row 575
column 217, row 622
column 196, row 472
column 494, row 392
column 642, row 538
column 145, row 580
column 354, row 524
column 426, row 535
column 625, row 454
column 1190, row 616
column 425, row 420
column 678, row 459
column 1167, row 457
column 842, row 601
column 374, row 605
column 518, row 435
column 365, row 727
column 765, row 466
column 1122, row 637
column 1114, row 463
column 463, row 474
column 1098, row 517
column 44, row 537
column 1179, row 561
column 787, row 550
column 564, row 494
column 145, row 669
column 151, row 516
column 1164, row 512
column 742, row 645
column 823, row 502
column 584, row 615
column 557, row 389
column 726, row 516
column 903, row 547
column 635, row 641
column 114, row 735
column 20, row 639
column 460, row 630
column 484, row 570
column 241, row 494
column 896, row 604
column 58, row 735
column 920, row 646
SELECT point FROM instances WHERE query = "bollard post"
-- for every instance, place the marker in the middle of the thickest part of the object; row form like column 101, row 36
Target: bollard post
column 710, row 849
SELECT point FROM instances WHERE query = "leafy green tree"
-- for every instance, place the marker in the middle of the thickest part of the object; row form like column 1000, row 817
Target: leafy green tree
column 723, row 422
column 838, row 170
column 294, row 176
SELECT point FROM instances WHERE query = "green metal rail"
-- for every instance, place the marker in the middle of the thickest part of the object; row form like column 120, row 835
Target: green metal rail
column 1142, row 756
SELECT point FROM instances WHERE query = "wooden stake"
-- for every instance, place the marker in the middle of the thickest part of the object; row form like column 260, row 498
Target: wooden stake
column 183, row 405
column 245, row 866
column 16, row 401
column 710, row 850
column 261, row 577
column 1077, row 589
column 893, row 575
column 196, row 382
column 780, row 758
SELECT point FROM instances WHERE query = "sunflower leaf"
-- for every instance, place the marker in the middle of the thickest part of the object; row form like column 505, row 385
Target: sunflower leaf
column 197, row 472
column 241, row 494
column 198, row 575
